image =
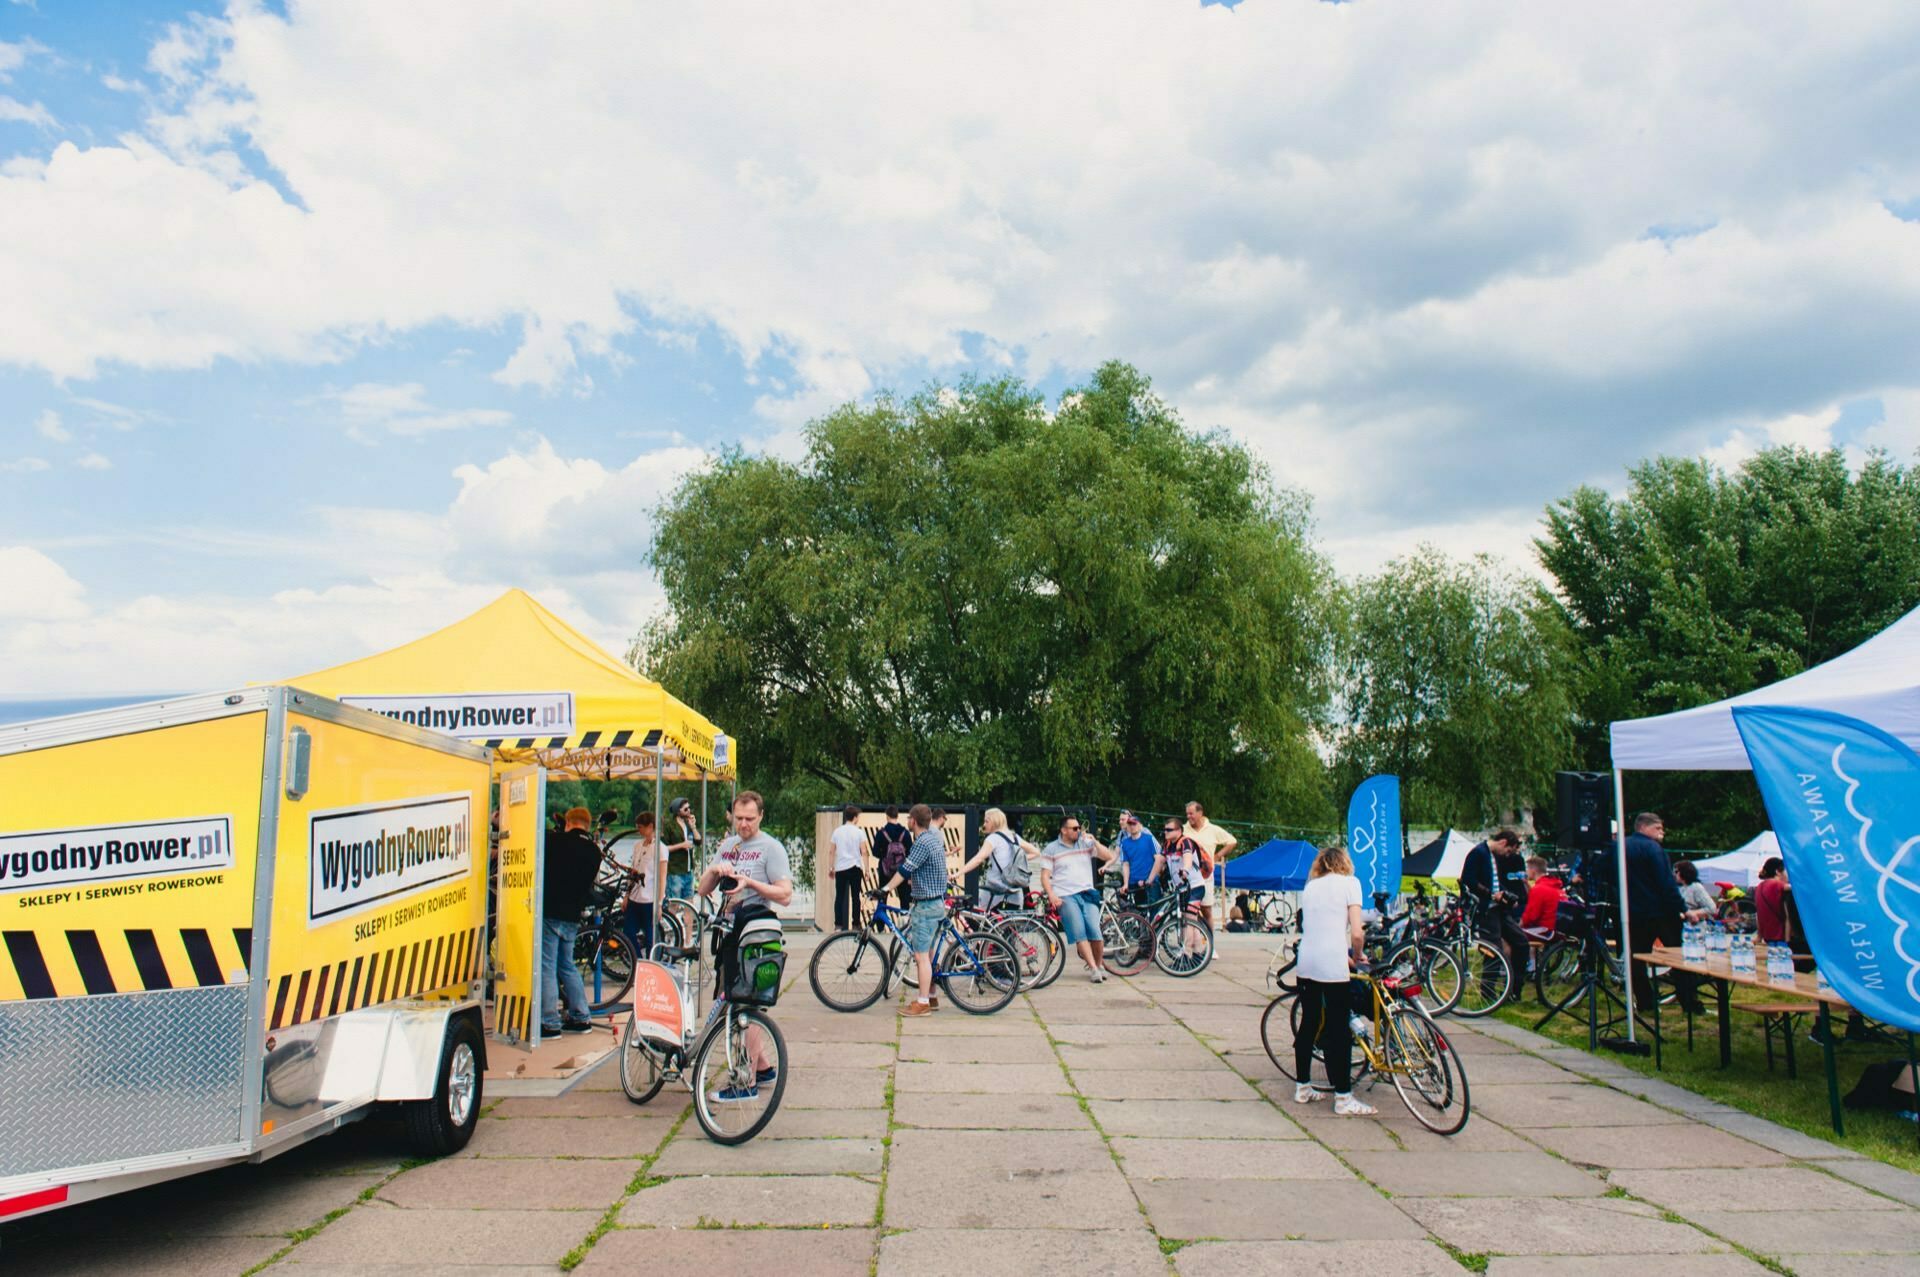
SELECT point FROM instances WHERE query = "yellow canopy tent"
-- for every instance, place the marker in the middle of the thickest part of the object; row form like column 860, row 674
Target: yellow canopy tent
column 521, row 681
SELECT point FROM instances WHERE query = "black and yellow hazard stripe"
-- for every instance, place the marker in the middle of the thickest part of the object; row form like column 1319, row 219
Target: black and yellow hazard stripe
column 454, row 957
column 513, row 1017
column 71, row 964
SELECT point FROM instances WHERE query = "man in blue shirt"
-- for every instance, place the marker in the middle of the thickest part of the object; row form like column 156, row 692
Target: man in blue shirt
column 1139, row 849
column 925, row 872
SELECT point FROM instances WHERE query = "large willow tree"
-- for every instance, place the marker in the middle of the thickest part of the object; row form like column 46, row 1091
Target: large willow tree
column 966, row 596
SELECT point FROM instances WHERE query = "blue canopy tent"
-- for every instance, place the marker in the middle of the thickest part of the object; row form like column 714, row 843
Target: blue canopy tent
column 1278, row 864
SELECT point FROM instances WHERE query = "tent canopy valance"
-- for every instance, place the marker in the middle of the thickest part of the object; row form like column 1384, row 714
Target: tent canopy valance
column 516, row 678
column 1877, row 682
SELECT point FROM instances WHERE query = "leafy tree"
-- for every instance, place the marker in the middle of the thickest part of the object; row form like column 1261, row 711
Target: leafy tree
column 966, row 596
column 1455, row 681
column 1699, row 584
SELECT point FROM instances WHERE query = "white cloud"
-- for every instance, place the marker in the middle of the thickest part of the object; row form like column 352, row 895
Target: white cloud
column 37, row 588
column 14, row 111
column 25, row 465
column 404, row 410
column 94, row 461
column 47, row 426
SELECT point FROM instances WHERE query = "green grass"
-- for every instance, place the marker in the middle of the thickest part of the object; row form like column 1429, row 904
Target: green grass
column 1472, row 1261
column 1799, row 1104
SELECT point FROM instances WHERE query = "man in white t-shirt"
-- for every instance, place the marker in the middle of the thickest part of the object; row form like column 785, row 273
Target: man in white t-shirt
column 1066, row 875
column 849, row 868
column 1215, row 841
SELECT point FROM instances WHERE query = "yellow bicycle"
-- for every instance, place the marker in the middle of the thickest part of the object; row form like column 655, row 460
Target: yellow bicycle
column 1404, row 1045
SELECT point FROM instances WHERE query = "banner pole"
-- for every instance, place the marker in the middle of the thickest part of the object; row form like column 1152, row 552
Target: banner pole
column 658, row 868
column 1620, row 850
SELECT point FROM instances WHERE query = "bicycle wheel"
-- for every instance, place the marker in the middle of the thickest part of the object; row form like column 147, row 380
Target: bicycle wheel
column 1033, row 947
column 1486, row 979
column 1278, row 914
column 1280, row 1046
column 1555, row 971
column 1437, row 971
column 1058, row 945
column 979, row 974
column 688, row 918
column 1124, row 934
column 641, row 1075
column 730, row 1100
column 1183, row 946
column 1426, row 1070
column 1280, row 967
column 608, row 945
column 849, row 971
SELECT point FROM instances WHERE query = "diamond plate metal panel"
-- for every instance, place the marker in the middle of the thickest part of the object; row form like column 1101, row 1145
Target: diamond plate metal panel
column 116, row 1076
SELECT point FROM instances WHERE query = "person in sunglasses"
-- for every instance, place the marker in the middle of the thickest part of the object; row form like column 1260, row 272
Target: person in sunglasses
column 1066, row 876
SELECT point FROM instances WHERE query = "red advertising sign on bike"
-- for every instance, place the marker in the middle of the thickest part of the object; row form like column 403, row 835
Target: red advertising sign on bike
column 657, row 1009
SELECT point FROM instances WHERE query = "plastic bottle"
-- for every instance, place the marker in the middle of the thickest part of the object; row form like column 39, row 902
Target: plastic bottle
column 1717, row 940
column 1779, row 964
column 1692, row 945
column 1820, row 978
column 1362, row 1027
column 1740, row 954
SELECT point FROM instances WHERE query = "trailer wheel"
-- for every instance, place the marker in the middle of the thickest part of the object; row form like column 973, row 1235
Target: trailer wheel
column 445, row 1123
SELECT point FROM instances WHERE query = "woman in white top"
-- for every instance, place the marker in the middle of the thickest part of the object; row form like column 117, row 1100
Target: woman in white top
column 999, row 848
column 1330, row 942
column 643, row 871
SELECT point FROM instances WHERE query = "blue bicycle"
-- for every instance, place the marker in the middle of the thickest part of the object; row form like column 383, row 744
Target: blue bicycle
column 851, row 969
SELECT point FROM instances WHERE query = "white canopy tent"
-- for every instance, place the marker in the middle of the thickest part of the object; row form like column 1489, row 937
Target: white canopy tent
column 1455, row 856
column 1877, row 682
column 1741, row 866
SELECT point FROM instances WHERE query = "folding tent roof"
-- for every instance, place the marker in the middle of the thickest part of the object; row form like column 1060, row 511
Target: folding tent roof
column 518, row 679
column 1877, row 682
column 1278, row 864
column 1441, row 858
column 1741, row 867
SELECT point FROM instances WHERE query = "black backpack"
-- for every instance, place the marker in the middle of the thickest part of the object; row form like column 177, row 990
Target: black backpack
column 892, row 856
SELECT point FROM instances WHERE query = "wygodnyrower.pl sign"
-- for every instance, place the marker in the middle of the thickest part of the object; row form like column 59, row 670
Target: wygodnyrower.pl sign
column 481, row 716
column 101, row 853
column 361, row 856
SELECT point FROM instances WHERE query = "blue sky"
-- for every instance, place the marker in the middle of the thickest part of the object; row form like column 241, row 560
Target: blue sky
column 331, row 320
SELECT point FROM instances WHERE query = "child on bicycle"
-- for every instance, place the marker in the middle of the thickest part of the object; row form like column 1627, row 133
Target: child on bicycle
column 1331, row 944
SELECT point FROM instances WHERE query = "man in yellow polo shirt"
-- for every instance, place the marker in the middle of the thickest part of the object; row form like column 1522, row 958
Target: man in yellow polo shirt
column 1215, row 841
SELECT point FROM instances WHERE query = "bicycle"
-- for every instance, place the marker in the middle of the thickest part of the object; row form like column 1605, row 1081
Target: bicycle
column 737, row 1081
column 601, row 952
column 1404, row 1044
column 1180, row 939
column 1277, row 913
column 853, row 968
column 1040, row 949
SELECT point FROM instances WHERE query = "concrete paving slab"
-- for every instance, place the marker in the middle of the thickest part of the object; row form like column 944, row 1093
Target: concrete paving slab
column 1314, row 1259
column 1194, row 1119
column 260, row 1205
column 1175, row 1054
column 1902, row 1186
column 949, row 1021
column 1029, row 1048
column 946, row 1252
column 811, row 1124
column 1234, row 1210
column 990, row 1112
column 1094, row 1201
column 834, row 1252
column 49, row 1256
column 1215, row 1083
column 1780, row 1139
column 836, row 1089
column 969, row 1153
column 1853, row 1265
column 792, row 1201
column 1793, row 1231
column 619, row 1137
column 994, row 1079
column 377, row 1234
column 1554, row 1226
column 1680, row 1147
column 518, row 1183
column 290, row 1265
column 1139, row 1013
column 577, row 1103
column 1497, row 1070
column 841, row 1055
column 778, row 1157
column 875, row 1024
column 1725, row 1264
column 1576, row 1104
column 1479, row 1135
column 1458, row 1173
column 1752, row 1188
column 1231, row 1159
column 1104, row 1035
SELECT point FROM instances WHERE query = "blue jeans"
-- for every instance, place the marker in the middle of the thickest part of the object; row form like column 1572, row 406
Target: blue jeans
column 679, row 886
column 1080, row 916
column 559, row 977
column 636, row 921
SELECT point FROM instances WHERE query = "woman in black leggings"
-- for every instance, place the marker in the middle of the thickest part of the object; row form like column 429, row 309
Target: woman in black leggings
column 1330, row 942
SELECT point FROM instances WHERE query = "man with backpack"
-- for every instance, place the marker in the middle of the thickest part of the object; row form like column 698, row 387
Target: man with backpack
column 923, row 875
column 890, row 844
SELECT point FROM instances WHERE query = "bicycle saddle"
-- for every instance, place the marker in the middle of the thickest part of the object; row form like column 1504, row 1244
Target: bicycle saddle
column 678, row 952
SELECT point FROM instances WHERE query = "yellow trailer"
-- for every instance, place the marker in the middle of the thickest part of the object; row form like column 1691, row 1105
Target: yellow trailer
column 229, row 924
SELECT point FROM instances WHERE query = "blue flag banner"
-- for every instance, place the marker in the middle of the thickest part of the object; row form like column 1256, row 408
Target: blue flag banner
column 1373, row 836
column 1844, row 799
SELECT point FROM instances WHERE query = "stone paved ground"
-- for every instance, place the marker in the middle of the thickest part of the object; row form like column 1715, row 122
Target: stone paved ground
column 1132, row 1127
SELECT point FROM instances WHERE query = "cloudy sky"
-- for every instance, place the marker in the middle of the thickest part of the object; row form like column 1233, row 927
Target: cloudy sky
column 321, row 323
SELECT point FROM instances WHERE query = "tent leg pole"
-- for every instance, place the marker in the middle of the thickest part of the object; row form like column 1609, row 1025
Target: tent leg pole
column 1620, row 850
column 703, row 823
column 659, row 861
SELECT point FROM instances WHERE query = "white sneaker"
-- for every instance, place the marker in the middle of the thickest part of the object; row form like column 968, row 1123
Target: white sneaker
column 1347, row 1106
column 1305, row 1093
column 1100, row 976
column 1093, row 975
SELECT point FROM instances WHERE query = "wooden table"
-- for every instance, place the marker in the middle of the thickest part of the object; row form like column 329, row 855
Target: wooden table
column 1720, row 971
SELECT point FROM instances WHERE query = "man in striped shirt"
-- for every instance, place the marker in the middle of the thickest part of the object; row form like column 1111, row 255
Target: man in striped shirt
column 925, row 872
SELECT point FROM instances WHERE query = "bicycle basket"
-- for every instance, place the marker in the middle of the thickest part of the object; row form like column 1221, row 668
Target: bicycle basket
column 759, row 964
